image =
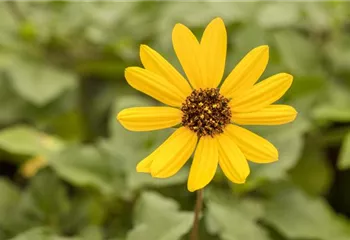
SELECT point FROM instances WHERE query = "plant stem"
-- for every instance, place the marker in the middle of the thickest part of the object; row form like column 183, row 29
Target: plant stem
column 197, row 211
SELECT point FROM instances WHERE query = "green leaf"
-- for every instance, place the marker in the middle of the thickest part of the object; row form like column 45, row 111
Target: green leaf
column 39, row 83
column 158, row 218
column 69, row 125
column 338, row 53
column 10, row 195
column 8, row 25
column 298, row 216
column 87, row 212
column 22, row 139
column 250, row 207
column 333, row 113
column 234, row 219
column 246, row 39
column 7, row 21
column 91, row 233
column 297, row 53
column 289, row 149
column 35, row 234
column 138, row 180
column 320, row 178
column 44, row 202
column 344, row 156
column 11, row 105
column 47, row 198
column 317, row 16
column 307, row 85
column 338, row 94
column 289, row 141
column 86, row 166
column 335, row 136
column 335, row 105
column 274, row 15
column 41, row 233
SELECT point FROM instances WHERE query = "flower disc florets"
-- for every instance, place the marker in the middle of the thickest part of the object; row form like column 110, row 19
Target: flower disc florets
column 206, row 112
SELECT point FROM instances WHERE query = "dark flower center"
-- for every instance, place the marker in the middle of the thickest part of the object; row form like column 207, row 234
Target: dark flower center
column 206, row 112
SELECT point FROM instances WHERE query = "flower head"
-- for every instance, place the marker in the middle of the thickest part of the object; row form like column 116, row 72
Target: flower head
column 208, row 116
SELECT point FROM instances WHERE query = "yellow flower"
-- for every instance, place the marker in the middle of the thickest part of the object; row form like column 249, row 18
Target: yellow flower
column 206, row 114
column 32, row 166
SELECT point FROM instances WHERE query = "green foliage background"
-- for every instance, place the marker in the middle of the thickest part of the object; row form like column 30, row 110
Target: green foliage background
column 62, row 84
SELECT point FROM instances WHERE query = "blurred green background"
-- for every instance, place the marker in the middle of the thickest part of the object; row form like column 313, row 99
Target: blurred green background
column 67, row 167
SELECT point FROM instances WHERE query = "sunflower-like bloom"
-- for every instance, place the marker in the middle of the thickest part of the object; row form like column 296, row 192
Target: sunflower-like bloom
column 208, row 116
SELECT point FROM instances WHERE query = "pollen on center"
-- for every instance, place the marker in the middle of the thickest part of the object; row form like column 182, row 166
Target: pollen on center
column 206, row 112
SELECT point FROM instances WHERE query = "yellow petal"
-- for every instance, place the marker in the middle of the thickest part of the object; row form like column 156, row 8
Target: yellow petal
column 213, row 53
column 145, row 165
column 254, row 147
column 154, row 62
column 246, row 73
column 231, row 159
column 187, row 49
column 173, row 153
column 149, row 118
column 271, row 115
column 204, row 164
column 154, row 86
column 32, row 166
column 262, row 94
